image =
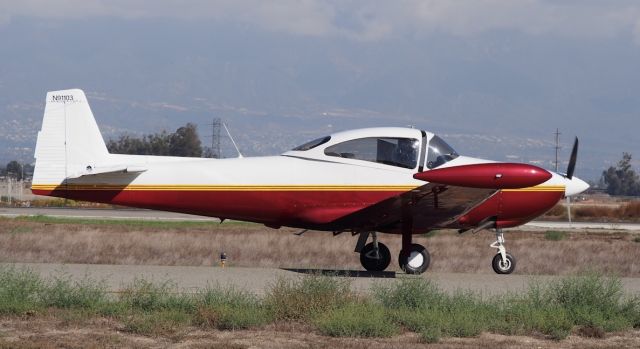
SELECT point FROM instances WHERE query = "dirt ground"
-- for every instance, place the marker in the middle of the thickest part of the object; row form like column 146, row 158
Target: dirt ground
column 26, row 332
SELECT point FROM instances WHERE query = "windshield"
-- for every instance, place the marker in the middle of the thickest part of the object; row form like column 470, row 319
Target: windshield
column 400, row 152
column 312, row 144
column 439, row 153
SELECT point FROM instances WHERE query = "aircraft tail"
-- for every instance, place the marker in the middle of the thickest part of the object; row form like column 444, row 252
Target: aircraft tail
column 69, row 141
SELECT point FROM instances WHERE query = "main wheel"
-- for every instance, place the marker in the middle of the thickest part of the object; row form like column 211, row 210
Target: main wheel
column 503, row 267
column 372, row 261
column 414, row 261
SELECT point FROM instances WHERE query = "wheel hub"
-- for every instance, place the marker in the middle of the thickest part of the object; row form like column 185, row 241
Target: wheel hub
column 415, row 259
column 505, row 264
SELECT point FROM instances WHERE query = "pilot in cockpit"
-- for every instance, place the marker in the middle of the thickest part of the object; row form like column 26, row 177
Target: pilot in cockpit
column 406, row 152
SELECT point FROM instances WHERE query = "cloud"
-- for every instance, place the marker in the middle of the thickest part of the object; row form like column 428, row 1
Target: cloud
column 367, row 20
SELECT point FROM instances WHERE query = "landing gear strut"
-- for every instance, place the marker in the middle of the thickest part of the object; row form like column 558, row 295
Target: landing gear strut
column 503, row 262
column 414, row 258
column 375, row 256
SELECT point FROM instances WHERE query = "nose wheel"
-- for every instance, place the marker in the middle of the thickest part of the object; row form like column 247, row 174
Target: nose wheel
column 503, row 262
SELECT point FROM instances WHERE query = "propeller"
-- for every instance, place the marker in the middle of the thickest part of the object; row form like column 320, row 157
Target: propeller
column 570, row 169
column 572, row 160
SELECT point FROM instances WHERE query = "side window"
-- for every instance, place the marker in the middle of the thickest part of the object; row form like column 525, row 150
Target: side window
column 400, row 152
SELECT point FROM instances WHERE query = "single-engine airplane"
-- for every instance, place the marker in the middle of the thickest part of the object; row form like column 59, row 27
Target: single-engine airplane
column 367, row 181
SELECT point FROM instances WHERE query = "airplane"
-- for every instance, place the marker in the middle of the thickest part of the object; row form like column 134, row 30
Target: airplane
column 367, row 181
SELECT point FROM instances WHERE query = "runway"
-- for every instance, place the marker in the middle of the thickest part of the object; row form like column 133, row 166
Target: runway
column 140, row 214
column 258, row 280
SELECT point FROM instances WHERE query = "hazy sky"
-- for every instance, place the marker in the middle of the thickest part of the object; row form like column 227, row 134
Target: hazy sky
column 467, row 69
column 366, row 20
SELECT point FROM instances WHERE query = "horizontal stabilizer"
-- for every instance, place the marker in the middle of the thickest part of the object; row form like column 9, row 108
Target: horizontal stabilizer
column 91, row 171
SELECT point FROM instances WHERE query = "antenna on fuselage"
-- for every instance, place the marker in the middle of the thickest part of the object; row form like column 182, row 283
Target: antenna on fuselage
column 232, row 141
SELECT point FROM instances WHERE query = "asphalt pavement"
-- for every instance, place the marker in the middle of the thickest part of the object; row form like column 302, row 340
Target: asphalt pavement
column 258, row 280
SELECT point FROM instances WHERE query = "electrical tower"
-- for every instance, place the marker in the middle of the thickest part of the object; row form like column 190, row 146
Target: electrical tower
column 557, row 133
column 216, row 152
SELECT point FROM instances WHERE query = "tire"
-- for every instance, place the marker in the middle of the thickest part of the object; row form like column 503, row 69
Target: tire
column 370, row 263
column 415, row 261
column 500, row 268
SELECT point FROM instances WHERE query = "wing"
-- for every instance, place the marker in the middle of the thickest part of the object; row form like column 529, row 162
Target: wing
column 430, row 206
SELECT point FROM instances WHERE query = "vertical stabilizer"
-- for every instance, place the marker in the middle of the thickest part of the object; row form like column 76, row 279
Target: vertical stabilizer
column 69, row 139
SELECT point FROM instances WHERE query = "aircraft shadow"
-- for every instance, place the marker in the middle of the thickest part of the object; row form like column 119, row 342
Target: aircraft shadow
column 344, row 273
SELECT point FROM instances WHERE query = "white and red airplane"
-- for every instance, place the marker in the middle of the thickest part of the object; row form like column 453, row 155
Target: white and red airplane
column 389, row 180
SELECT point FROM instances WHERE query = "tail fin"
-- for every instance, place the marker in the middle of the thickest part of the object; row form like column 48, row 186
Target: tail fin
column 69, row 140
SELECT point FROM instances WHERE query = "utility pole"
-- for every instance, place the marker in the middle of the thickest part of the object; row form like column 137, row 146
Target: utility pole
column 557, row 133
column 216, row 152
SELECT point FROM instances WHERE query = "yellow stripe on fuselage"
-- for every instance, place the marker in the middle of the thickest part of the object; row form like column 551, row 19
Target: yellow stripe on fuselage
column 545, row 188
column 186, row 187
column 174, row 187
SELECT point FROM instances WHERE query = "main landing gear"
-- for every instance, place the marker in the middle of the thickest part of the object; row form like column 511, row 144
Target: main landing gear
column 503, row 262
column 375, row 256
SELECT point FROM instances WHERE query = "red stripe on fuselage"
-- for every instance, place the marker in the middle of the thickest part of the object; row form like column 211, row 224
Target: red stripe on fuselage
column 305, row 209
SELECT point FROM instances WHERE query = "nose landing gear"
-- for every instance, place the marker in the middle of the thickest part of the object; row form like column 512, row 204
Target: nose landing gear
column 503, row 262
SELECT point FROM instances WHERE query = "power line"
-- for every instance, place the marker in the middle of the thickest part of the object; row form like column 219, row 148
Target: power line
column 557, row 133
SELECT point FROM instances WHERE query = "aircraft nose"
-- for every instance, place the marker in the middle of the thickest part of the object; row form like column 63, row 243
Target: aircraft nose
column 575, row 186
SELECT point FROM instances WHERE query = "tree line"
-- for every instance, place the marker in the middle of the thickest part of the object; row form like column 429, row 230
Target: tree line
column 184, row 142
column 16, row 170
column 621, row 179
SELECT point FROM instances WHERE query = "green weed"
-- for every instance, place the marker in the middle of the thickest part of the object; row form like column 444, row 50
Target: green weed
column 430, row 334
column 356, row 320
column 148, row 296
column 19, row 290
column 553, row 235
column 409, row 293
column 295, row 299
column 229, row 308
column 62, row 292
column 157, row 322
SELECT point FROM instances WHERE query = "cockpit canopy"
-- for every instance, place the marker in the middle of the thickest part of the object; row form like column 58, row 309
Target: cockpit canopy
column 439, row 152
column 396, row 147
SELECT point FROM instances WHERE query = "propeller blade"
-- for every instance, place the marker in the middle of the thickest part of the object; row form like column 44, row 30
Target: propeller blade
column 572, row 159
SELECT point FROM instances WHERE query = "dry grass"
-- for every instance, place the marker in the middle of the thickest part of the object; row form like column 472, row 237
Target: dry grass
column 627, row 212
column 255, row 245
